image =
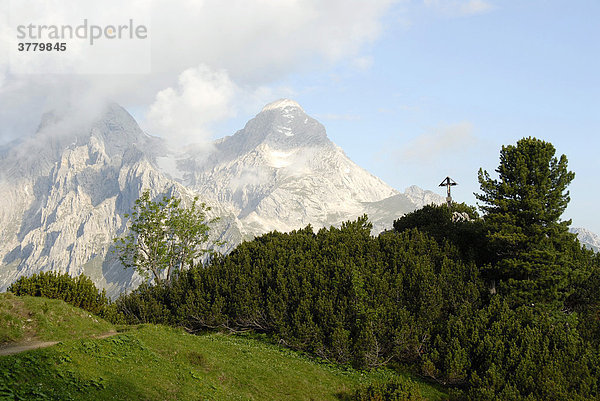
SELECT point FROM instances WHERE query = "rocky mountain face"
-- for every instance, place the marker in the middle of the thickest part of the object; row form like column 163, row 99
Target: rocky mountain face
column 281, row 172
column 66, row 190
column 587, row 238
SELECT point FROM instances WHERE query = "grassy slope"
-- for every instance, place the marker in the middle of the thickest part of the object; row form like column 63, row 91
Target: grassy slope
column 161, row 363
column 31, row 318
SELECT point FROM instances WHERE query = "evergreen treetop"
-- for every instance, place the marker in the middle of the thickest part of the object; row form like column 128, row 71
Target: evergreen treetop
column 522, row 210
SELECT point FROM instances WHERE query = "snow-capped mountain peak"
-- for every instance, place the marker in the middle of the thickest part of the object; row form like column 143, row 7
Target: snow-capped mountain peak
column 282, row 172
column 587, row 238
column 282, row 104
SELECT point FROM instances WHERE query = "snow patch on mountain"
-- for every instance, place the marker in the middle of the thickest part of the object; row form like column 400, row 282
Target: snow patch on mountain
column 278, row 159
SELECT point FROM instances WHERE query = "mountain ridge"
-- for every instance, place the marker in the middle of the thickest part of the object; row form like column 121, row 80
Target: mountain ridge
column 67, row 189
column 587, row 238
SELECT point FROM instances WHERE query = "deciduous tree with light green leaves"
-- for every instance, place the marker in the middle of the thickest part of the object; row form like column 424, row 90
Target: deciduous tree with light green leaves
column 522, row 210
column 164, row 237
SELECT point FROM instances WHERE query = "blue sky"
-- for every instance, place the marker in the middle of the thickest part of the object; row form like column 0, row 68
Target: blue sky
column 412, row 90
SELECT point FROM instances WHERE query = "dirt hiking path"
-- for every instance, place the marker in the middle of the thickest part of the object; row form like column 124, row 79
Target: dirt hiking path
column 18, row 347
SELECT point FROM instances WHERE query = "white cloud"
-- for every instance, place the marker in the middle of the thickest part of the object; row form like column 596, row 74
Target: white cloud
column 257, row 42
column 363, row 63
column 441, row 141
column 202, row 97
column 184, row 114
column 76, row 99
column 459, row 8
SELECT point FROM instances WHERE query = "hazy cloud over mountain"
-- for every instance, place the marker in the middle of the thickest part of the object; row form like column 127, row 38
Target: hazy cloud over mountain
column 247, row 44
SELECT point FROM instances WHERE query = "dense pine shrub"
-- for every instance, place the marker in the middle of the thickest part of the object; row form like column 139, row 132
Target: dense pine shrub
column 391, row 390
column 340, row 294
column 78, row 291
column 348, row 297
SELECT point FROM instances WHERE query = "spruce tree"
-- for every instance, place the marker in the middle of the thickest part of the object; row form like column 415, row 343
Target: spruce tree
column 522, row 213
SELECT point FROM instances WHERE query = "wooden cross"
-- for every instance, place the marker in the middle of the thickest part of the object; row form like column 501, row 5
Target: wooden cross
column 448, row 182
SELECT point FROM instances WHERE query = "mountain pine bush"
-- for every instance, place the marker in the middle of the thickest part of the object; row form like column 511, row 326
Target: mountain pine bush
column 78, row 291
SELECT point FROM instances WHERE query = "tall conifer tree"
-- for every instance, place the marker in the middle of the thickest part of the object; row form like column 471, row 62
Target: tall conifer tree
column 522, row 212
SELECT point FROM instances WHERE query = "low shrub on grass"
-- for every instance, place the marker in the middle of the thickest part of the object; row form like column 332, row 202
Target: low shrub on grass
column 391, row 390
column 78, row 291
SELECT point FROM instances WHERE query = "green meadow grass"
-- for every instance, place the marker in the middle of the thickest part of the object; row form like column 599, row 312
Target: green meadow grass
column 26, row 318
column 151, row 362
